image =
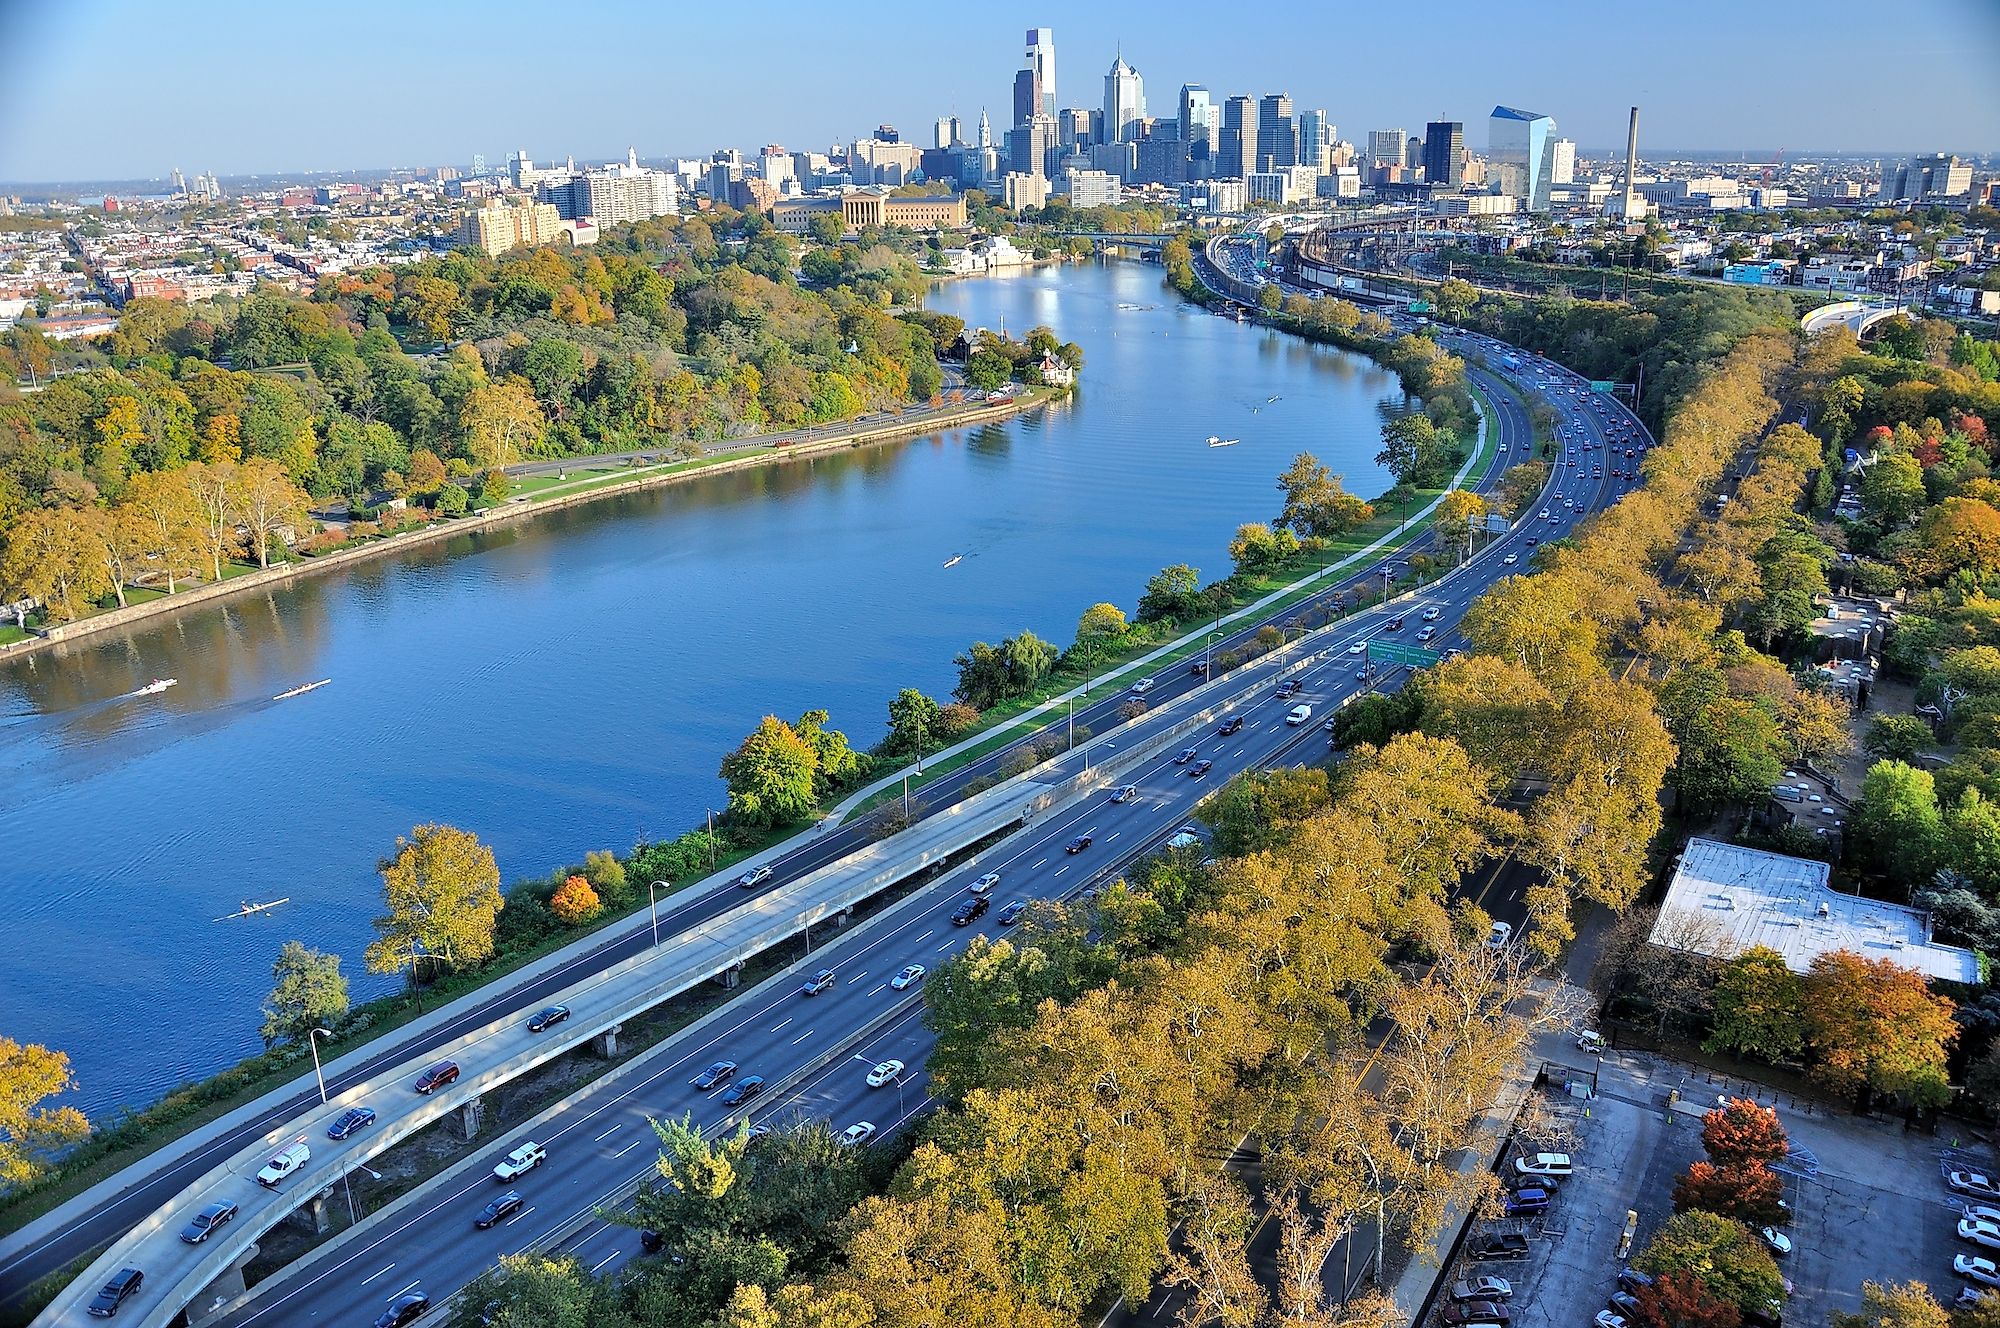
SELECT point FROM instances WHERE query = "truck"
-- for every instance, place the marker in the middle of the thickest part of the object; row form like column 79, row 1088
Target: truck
column 520, row 1162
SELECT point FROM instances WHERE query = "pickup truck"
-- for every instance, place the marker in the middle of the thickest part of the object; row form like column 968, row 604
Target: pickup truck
column 520, row 1162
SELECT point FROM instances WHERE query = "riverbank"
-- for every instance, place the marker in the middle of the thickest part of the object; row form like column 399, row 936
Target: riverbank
column 578, row 492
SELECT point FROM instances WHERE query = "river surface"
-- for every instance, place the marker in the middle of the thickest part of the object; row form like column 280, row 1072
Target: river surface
column 572, row 682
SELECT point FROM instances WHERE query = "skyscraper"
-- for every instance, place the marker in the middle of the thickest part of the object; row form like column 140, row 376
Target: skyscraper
column 1385, row 147
column 1522, row 147
column 1124, row 102
column 1315, row 139
column 1236, row 155
column 1035, row 85
column 985, row 129
column 1197, row 115
column 1562, row 167
column 1444, row 153
column 1277, row 133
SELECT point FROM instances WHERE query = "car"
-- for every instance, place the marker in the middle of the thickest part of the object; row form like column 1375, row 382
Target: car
column 1298, row 715
column 754, row 1133
column 1126, row 794
column 1079, row 844
column 885, row 1073
column 1497, row 938
column 1287, row 688
column 1622, row 1302
column 817, row 983
column 970, row 910
column 1393, row 625
column 403, row 1309
column 755, row 877
column 1521, row 1203
column 856, row 1134
column 911, row 975
column 1544, row 1164
column 1780, row 1244
column 1979, row 1232
column 1234, row 724
column 1358, row 648
column 1199, row 668
column 1200, row 768
column 1433, row 613
column 437, row 1076
column 1187, row 754
column 283, row 1163
column 544, row 1020
column 1498, row 1245
column 1969, row 1298
column 1475, row 1311
column 1973, row 1268
column 1185, row 837
column 497, row 1210
column 520, row 1162
column 1982, row 1213
column 1427, row 633
column 1610, row 1319
column 1141, row 687
column 1973, row 1182
column 1511, row 559
column 1531, row 541
column 1484, row 1287
column 749, row 1086
column 715, row 1076
column 984, row 885
column 1012, row 913
column 115, row 1292
column 650, row 1241
column 351, row 1121
column 207, row 1222
column 1590, row 1042
column 1631, row 1279
column 1332, row 723
column 1544, row 514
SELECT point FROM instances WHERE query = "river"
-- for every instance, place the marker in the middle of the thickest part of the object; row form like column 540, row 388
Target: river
column 572, row 682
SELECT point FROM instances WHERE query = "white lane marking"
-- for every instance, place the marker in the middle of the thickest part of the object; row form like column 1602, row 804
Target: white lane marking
column 372, row 1276
column 1113, row 835
column 608, row 1133
column 880, row 986
column 781, row 1027
column 606, row 1259
column 1060, row 870
column 857, row 977
column 1238, row 752
column 926, row 936
column 628, row 1148
column 802, row 1037
column 946, row 946
column 518, row 1216
column 1038, row 864
column 406, row 1290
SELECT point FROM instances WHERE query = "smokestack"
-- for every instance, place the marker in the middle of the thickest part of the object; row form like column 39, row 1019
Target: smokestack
column 1631, row 160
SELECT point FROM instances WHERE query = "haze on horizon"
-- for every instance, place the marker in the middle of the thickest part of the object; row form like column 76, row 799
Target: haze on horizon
column 116, row 89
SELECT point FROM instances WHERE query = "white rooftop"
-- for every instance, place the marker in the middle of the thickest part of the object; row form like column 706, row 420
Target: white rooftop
column 1744, row 897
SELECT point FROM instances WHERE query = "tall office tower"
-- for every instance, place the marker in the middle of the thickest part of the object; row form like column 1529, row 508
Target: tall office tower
column 1386, row 147
column 1035, row 85
column 1413, row 155
column 1076, row 125
column 985, row 129
column 1029, row 145
column 1315, row 139
column 1562, row 167
column 1237, row 143
column 1521, row 145
column 1277, row 133
column 1124, row 103
column 1197, row 115
column 478, row 166
column 941, row 132
column 1444, row 153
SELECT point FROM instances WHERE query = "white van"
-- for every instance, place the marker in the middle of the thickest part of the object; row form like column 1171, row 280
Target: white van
column 1300, row 714
column 283, row 1164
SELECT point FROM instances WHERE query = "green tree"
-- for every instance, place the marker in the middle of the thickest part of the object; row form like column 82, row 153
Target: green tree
column 443, row 892
column 32, row 1135
column 1315, row 502
column 827, row 228
column 771, row 776
column 1257, row 549
column 1172, row 593
column 835, row 764
column 1729, row 747
column 1722, row 1253
column 1897, row 821
column 1416, row 451
column 1260, row 809
column 1892, row 488
column 309, row 992
column 988, row 370
column 1757, row 1010
column 1897, row 738
column 1454, row 299
column 913, row 723
column 539, row 1291
column 1029, row 659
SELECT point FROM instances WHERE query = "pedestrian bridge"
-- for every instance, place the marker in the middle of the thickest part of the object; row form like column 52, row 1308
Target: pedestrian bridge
column 1851, row 314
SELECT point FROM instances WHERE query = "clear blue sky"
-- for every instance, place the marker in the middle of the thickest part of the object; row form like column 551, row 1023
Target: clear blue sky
column 97, row 89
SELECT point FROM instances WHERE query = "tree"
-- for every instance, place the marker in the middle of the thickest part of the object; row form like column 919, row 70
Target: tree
column 574, row 902
column 1416, row 451
column 1897, row 738
column 61, row 557
column 1898, row 822
column 1100, row 620
column 309, row 993
column 1892, row 488
column 1683, row 1300
column 1315, row 502
column 1757, row 1007
column 1743, row 1133
column 1454, row 299
column 771, row 776
column 988, row 370
column 1720, row 1253
column 494, row 486
column 913, row 722
column 267, row 504
column 501, row 421
column 827, row 228
column 1895, row 1305
column 432, row 305
column 1875, row 1027
column 452, row 500
column 835, row 764
column 1750, row 1192
column 1029, row 659
column 1257, row 548
column 164, row 506
column 538, row 1291
column 443, row 892
column 1172, row 592
column 30, row 1133
column 211, row 487
column 1456, row 512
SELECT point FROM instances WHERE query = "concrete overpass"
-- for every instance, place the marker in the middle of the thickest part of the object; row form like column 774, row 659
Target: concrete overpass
column 1854, row 315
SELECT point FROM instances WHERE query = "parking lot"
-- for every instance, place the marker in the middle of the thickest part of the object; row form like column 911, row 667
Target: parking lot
column 1869, row 1201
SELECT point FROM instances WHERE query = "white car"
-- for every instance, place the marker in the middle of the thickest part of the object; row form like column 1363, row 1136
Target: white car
column 1433, row 613
column 1141, row 687
column 520, row 1162
column 1545, row 515
column 1973, row 1182
column 1610, row 1319
column 1979, row 1232
column 984, row 885
column 908, row 978
column 1779, row 1242
column 283, row 1163
column 1976, row 1269
column 857, row 1134
column 1544, row 1164
column 1358, row 648
column 885, row 1073
column 1499, row 936
column 1511, row 559
column 1590, row 1042
column 1983, row 1213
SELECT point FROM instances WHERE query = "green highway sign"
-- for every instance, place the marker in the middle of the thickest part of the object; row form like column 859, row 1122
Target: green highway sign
column 1390, row 652
column 1420, row 306
column 1596, row 386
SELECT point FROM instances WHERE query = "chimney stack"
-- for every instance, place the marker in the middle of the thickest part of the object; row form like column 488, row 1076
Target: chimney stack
column 1631, row 160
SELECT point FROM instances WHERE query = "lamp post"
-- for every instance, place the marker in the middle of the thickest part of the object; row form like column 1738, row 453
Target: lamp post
column 653, row 900
column 313, row 1035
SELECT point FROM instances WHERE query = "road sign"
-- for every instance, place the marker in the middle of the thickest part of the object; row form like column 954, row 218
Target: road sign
column 1598, row 386
column 1420, row 306
column 1392, row 652
column 1497, row 524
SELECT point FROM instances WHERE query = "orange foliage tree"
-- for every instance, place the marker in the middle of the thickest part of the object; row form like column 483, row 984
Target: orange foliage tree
column 575, row 902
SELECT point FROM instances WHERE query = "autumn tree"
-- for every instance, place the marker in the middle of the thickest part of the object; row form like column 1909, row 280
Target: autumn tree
column 166, row 509
column 309, row 992
column 1720, row 1252
column 30, row 1133
column 211, row 488
column 61, row 557
column 1316, row 503
column 267, row 504
column 1683, row 1300
column 1456, row 512
column 1100, row 620
column 1747, row 1191
column 1743, row 1133
column 500, row 421
column 443, row 893
column 771, row 776
column 1874, row 1027
column 1757, row 1008
column 1897, row 1305
column 574, row 902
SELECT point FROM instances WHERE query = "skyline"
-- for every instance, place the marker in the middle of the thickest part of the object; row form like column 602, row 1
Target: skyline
column 372, row 114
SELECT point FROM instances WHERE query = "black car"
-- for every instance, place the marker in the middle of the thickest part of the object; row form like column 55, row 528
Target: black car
column 1187, row 754
column 749, row 1086
column 715, row 1075
column 1229, row 726
column 1200, row 768
column 651, row 1241
column 207, row 1222
column 403, row 1309
column 1290, row 685
column 1012, row 913
column 969, row 910
column 1393, row 625
column 818, row 983
column 498, row 1210
column 1498, row 1245
column 1077, row 845
column 351, row 1120
column 1631, row 1279
column 1624, row 1302
column 1199, row 668
column 122, row 1284
column 548, row 1018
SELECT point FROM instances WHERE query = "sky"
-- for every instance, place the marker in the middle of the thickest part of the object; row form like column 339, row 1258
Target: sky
column 131, row 89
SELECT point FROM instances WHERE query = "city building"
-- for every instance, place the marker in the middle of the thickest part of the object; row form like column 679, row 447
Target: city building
column 1077, row 125
column 1277, row 133
column 1030, row 145
column 1124, row 103
column 1938, row 175
column 1475, row 205
column 1020, row 190
column 1198, row 117
column 1089, row 189
column 1562, row 162
column 863, row 209
column 1237, row 144
column 1521, row 149
column 1316, row 135
column 498, row 227
column 1444, row 153
column 1035, row 84
column 1386, row 147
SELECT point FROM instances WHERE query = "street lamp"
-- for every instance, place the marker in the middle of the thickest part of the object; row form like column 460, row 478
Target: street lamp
column 313, row 1035
column 653, row 900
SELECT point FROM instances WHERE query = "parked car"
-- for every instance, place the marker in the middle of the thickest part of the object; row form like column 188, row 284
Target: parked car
column 207, row 1222
column 1126, row 794
column 1623, row 1302
column 1631, row 1279
column 351, row 1121
column 115, row 1292
column 1975, row 1269
column 1523, row 1203
column 439, row 1075
column 1079, row 844
column 1476, row 1311
column 283, row 1163
column 1983, row 1212
column 756, row 876
column 1228, row 726
column 970, row 910
column 714, row 1076
column 885, row 1073
column 984, row 885
column 911, row 975
column 1979, row 1232
column 1544, row 1164
column 1780, row 1244
column 1969, row 1298
column 1973, row 1182
column 403, row 1309
column 817, row 983
column 547, row 1019
column 1497, row 1245
column 1610, row 1319
column 749, row 1086
column 856, row 1134
column 520, row 1162
column 498, row 1210
column 1484, row 1287
column 1012, row 913
column 1499, row 935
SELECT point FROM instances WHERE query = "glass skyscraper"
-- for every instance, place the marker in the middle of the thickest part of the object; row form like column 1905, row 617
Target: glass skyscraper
column 1522, row 147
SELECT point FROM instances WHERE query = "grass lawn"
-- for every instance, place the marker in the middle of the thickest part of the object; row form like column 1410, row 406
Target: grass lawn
column 9, row 633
